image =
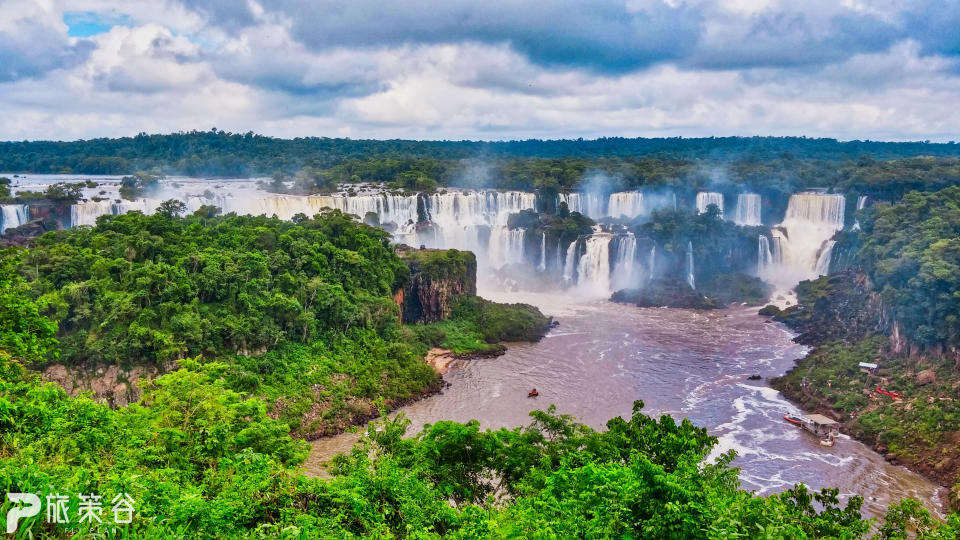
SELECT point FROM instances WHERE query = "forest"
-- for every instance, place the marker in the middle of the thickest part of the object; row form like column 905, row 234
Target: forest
column 770, row 164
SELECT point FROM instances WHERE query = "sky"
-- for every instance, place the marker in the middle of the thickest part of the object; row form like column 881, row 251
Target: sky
column 481, row 69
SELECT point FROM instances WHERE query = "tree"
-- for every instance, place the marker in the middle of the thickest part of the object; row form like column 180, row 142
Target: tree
column 24, row 332
column 172, row 208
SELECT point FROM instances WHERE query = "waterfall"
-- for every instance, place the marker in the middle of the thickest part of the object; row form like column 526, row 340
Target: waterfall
column 861, row 204
column 626, row 203
column 777, row 252
column 748, row 209
column 706, row 198
column 800, row 242
column 559, row 265
column 460, row 216
column 543, row 252
column 652, row 263
column 623, row 265
column 13, row 216
column 690, row 280
column 593, row 270
column 568, row 263
column 87, row 212
column 823, row 259
column 588, row 204
column 764, row 255
column 506, row 246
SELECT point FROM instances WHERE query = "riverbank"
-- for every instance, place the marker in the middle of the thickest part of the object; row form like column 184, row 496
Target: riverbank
column 908, row 431
column 685, row 363
column 915, row 420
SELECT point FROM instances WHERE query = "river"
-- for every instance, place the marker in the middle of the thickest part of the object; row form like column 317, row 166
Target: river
column 684, row 363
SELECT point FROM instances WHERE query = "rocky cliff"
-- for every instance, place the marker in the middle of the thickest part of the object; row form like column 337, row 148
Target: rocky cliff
column 437, row 278
column 839, row 306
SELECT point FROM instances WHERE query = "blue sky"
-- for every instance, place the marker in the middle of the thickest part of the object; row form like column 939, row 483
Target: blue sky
column 81, row 24
column 490, row 69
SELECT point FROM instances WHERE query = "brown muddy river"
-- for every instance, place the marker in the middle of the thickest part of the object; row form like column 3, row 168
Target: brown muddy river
column 685, row 363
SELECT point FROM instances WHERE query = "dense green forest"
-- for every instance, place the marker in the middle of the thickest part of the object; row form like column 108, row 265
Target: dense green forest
column 301, row 313
column 770, row 164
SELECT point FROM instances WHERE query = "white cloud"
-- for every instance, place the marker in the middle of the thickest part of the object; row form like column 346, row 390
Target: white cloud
column 760, row 67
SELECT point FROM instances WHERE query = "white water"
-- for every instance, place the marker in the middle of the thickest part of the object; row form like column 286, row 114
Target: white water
column 629, row 204
column 624, row 267
column 706, row 198
column 569, row 262
column 690, row 280
column 588, row 204
column 861, row 204
column 823, row 259
column 626, row 203
column 593, row 270
column 543, row 252
column 764, row 255
column 652, row 262
column 811, row 220
column 13, row 216
column 748, row 210
column 506, row 246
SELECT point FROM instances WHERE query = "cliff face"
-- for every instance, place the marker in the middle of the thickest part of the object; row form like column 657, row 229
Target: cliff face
column 841, row 306
column 437, row 278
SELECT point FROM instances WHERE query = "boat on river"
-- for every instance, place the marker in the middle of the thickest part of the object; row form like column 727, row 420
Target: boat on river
column 827, row 429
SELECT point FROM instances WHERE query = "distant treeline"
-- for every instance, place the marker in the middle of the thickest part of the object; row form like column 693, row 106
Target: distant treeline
column 319, row 163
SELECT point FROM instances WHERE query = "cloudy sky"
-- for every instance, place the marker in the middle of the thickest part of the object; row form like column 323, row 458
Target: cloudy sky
column 481, row 69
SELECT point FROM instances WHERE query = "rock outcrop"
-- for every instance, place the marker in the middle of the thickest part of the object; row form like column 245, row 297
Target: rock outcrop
column 840, row 306
column 113, row 385
column 666, row 293
column 437, row 278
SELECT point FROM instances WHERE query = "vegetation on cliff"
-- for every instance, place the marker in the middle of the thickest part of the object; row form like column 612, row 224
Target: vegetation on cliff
column 299, row 313
column 911, row 251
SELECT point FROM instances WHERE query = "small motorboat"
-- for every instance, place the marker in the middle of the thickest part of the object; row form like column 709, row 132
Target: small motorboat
column 533, row 393
column 754, row 377
column 829, row 441
column 795, row 420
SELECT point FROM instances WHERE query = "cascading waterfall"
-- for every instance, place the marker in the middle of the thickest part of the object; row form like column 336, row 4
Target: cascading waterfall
column 543, row 252
column 559, row 255
column 459, row 217
column 706, row 198
column 593, row 270
column 861, row 204
column 13, row 216
column 588, row 204
column 690, row 279
column 652, row 262
column 823, row 259
column 623, row 264
column 764, row 255
column 568, row 264
column 748, row 209
column 800, row 242
column 506, row 246
column 87, row 212
column 626, row 203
